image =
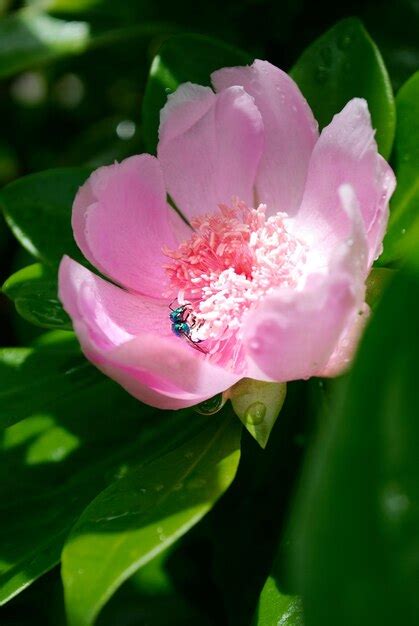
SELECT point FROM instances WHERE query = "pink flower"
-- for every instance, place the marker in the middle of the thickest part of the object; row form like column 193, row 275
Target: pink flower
column 270, row 280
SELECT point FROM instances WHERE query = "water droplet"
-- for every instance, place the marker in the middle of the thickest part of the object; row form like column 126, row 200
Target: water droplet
column 255, row 413
column 344, row 41
column 159, row 487
column 126, row 129
column 394, row 501
column 254, row 344
column 210, row 406
column 403, row 231
column 350, row 242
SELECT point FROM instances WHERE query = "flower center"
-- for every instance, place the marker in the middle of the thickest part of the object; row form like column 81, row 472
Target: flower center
column 235, row 256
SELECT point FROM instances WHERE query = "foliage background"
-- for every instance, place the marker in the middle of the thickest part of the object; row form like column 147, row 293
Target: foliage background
column 84, row 108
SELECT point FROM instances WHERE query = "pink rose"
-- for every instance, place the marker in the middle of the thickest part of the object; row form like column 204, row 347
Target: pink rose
column 268, row 276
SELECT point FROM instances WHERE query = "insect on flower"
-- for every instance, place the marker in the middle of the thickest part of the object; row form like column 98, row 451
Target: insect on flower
column 183, row 322
column 266, row 272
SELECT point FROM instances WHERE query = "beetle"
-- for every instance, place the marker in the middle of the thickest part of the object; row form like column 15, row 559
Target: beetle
column 183, row 322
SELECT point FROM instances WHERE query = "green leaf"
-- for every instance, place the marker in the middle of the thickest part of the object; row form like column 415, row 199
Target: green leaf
column 377, row 281
column 66, row 6
column 342, row 64
column 258, row 404
column 358, row 517
column 143, row 513
column 29, row 37
column 56, row 462
column 31, row 379
column 254, row 511
column 276, row 609
column 34, row 292
column 150, row 595
column 38, row 210
column 181, row 59
column 403, row 230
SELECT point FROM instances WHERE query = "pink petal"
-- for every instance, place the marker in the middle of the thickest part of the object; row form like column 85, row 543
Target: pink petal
column 290, row 131
column 346, row 153
column 294, row 332
column 129, row 338
column 121, row 221
column 210, row 147
column 347, row 344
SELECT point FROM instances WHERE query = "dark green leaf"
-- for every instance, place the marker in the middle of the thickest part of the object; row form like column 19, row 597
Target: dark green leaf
column 149, row 597
column 277, row 609
column 181, row 59
column 58, row 460
column 251, row 517
column 143, row 513
column 358, row 518
column 34, row 292
column 403, row 230
column 38, row 210
column 31, row 379
column 342, row 64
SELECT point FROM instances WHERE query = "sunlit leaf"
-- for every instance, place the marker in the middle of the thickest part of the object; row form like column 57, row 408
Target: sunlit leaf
column 31, row 37
column 38, row 210
column 277, row 609
column 143, row 513
column 34, row 292
column 28, row 37
column 31, row 379
column 403, row 230
column 57, row 460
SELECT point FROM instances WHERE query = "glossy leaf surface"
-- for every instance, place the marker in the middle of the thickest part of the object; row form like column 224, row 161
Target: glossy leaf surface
column 359, row 514
column 38, row 210
column 345, row 63
column 57, row 460
column 276, row 608
column 403, row 230
column 34, row 292
column 143, row 513
column 31, row 379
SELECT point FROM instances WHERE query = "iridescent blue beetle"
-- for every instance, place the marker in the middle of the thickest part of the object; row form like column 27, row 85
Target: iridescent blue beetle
column 183, row 321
